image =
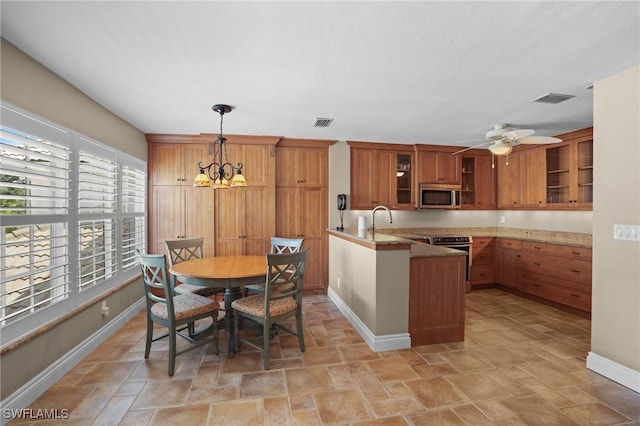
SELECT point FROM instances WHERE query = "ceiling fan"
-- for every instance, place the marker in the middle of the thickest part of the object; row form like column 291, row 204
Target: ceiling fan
column 501, row 139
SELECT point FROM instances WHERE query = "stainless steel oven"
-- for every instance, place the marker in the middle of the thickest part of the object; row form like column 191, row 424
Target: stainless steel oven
column 457, row 242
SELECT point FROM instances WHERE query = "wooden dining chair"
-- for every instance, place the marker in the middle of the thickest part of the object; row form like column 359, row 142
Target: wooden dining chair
column 175, row 312
column 279, row 245
column 187, row 249
column 275, row 304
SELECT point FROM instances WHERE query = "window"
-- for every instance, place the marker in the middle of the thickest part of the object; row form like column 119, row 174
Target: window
column 72, row 213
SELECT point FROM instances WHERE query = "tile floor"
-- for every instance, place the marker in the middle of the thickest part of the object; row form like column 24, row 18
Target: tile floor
column 522, row 363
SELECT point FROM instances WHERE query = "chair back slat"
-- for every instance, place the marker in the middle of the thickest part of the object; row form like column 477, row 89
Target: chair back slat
column 285, row 276
column 281, row 245
column 184, row 249
column 154, row 278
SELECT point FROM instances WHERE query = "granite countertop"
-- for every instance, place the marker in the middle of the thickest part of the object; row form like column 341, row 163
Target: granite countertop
column 578, row 239
column 382, row 241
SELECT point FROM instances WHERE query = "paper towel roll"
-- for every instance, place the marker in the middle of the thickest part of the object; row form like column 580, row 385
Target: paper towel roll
column 362, row 224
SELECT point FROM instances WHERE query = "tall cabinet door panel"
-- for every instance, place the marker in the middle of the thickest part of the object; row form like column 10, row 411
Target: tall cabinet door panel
column 256, row 226
column 228, row 222
column 197, row 207
column 288, row 212
column 165, row 217
column 313, row 230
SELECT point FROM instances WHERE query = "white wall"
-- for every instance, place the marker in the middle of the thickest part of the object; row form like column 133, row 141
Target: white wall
column 615, row 326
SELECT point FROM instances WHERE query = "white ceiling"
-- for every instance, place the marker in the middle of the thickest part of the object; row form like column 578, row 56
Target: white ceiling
column 405, row 72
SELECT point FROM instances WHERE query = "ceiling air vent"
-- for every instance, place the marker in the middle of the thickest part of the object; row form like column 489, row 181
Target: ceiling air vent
column 552, row 98
column 323, row 122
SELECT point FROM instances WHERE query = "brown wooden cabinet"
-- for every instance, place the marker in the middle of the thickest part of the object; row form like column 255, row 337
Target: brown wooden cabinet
column 557, row 273
column 244, row 217
column 438, row 165
column 177, row 163
column 521, row 179
column 301, row 167
column 301, row 202
column 381, row 174
column 478, row 182
column 509, row 260
column 233, row 221
column 176, row 208
column 569, row 171
column 436, row 299
column 483, row 261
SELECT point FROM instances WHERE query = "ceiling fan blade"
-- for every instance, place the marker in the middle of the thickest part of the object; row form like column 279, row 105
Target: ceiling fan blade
column 470, row 147
column 538, row 140
column 469, row 140
column 514, row 135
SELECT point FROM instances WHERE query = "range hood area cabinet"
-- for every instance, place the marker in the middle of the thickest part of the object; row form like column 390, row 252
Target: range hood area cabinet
column 436, row 164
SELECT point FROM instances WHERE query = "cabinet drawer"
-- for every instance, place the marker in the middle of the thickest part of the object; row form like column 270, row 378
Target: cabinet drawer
column 556, row 290
column 485, row 257
column 578, row 271
column 510, row 244
column 483, row 274
column 483, row 251
column 581, row 253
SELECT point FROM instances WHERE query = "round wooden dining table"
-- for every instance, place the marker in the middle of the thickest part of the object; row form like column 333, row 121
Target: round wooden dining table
column 228, row 272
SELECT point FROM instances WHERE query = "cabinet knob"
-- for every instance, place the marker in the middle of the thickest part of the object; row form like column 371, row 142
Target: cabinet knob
column 577, row 271
column 575, row 295
column 536, row 263
column 577, row 253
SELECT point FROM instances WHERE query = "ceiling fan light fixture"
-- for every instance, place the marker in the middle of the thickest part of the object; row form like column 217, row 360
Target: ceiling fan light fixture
column 501, row 148
column 496, row 132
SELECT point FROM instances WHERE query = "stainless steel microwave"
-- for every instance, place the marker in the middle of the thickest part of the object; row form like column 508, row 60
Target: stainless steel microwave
column 436, row 196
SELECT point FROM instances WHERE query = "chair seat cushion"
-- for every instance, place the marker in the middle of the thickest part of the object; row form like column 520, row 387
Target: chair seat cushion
column 196, row 289
column 259, row 288
column 185, row 306
column 254, row 305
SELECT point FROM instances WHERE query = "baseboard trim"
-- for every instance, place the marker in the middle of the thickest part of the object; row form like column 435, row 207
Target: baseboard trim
column 49, row 376
column 612, row 370
column 387, row 342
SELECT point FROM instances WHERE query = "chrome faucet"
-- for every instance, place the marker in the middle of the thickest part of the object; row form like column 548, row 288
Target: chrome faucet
column 373, row 217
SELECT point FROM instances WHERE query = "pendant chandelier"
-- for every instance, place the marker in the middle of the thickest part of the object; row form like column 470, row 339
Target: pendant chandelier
column 221, row 172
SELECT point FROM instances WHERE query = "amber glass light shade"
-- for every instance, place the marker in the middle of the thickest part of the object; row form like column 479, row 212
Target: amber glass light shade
column 238, row 181
column 202, row 180
column 221, row 183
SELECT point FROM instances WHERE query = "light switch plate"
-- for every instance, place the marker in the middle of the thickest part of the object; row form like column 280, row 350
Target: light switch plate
column 626, row 232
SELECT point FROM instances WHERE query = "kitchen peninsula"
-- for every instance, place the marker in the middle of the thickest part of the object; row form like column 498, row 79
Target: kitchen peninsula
column 397, row 293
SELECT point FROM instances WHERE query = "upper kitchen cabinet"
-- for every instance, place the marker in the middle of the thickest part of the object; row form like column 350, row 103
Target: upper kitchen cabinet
column 436, row 164
column 569, row 171
column 521, row 179
column 478, row 182
column 305, row 166
column 173, row 159
column 382, row 174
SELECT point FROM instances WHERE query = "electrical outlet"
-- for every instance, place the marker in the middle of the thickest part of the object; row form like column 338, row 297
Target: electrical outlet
column 503, row 219
column 338, row 282
column 626, row 232
column 105, row 308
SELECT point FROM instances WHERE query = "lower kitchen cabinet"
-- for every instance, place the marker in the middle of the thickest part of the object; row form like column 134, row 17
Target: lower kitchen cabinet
column 558, row 273
column 436, row 299
column 509, row 260
column 483, row 261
